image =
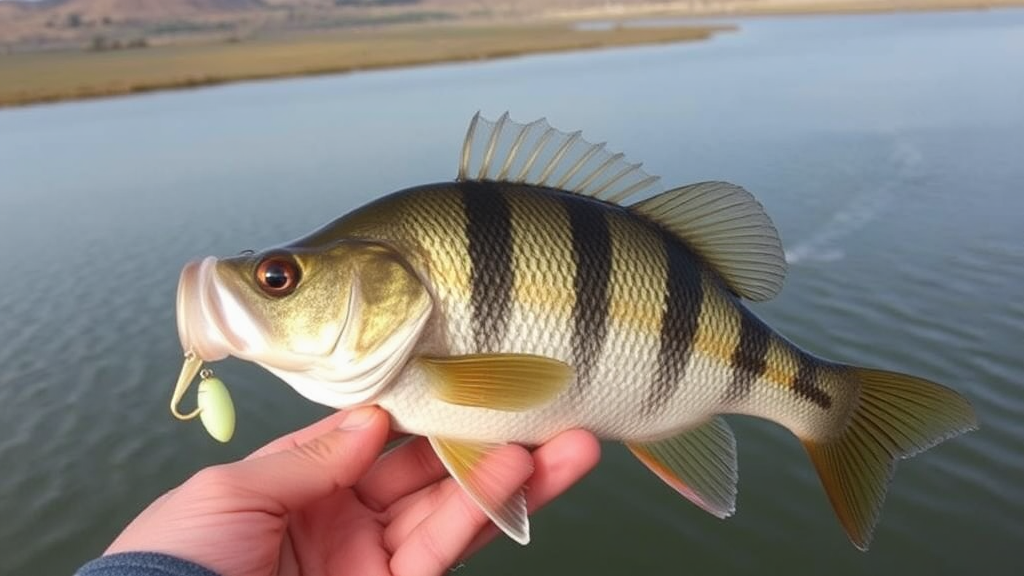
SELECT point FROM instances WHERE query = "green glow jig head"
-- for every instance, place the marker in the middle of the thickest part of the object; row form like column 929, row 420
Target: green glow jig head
column 215, row 409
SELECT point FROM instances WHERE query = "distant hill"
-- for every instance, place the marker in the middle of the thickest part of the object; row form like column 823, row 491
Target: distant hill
column 62, row 22
column 26, row 25
column 108, row 24
column 139, row 10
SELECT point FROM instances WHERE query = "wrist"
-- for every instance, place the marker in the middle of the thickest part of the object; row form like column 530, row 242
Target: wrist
column 143, row 564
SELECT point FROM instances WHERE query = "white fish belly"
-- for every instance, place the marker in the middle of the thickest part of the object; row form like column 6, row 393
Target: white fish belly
column 613, row 409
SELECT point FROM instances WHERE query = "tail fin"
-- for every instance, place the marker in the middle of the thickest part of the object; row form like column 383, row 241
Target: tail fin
column 897, row 417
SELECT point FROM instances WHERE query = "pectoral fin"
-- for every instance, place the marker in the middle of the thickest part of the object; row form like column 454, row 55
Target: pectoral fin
column 699, row 463
column 481, row 470
column 510, row 382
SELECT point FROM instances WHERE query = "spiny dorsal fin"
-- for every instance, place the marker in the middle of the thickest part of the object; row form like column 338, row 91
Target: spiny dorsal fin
column 728, row 227
column 540, row 155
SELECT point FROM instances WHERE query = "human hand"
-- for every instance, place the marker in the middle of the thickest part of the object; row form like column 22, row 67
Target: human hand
column 320, row 502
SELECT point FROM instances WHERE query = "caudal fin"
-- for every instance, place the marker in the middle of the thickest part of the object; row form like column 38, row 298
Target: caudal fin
column 897, row 416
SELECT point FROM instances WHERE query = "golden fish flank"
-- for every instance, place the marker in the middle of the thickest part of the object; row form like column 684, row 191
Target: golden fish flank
column 526, row 298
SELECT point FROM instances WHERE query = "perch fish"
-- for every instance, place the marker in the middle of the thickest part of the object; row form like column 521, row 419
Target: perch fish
column 528, row 297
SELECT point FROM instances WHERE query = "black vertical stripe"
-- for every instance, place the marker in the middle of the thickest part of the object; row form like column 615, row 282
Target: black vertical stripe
column 592, row 255
column 748, row 360
column 684, row 295
column 805, row 384
column 489, row 234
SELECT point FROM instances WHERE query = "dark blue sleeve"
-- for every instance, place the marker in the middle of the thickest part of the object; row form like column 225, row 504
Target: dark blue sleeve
column 142, row 564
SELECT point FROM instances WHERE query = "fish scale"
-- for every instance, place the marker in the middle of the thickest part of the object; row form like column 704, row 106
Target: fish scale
column 541, row 329
column 526, row 299
column 617, row 413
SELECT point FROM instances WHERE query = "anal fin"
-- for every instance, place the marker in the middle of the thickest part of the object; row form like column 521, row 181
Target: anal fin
column 481, row 470
column 700, row 463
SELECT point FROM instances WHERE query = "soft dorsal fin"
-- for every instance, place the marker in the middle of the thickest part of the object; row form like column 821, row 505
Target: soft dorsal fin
column 540, row 155
column 729, row 228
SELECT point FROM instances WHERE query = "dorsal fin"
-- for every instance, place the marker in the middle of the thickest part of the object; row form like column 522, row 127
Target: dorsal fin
column 540, row 155
column 720, row 221
column 729, row 228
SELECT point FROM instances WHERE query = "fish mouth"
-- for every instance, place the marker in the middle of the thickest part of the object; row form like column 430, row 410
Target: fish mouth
column 200, row 310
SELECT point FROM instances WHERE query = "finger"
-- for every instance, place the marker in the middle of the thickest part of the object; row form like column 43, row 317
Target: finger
column 306, row 434
column 303, row 435
column 558, row 465
column 292, row 478
column 406, row 514
column 400, row 472
column 438, row 542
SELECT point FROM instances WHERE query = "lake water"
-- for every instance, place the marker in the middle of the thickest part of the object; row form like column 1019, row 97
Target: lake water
column 888, row 149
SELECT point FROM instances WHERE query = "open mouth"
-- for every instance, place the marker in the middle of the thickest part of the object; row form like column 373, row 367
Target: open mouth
column 198, row 314
column 203, row 338
column 211, row 322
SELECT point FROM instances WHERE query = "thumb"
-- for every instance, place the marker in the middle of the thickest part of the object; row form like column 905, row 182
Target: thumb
column 295, row 477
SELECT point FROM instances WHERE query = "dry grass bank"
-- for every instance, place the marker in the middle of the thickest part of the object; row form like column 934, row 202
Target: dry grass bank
column 53, row 76
column 693, row 8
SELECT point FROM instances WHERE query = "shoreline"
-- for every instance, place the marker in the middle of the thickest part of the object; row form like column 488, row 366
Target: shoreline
column 37, row 78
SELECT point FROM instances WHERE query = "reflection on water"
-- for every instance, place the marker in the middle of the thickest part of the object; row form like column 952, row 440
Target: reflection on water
column 886, row 148
column 860, row 209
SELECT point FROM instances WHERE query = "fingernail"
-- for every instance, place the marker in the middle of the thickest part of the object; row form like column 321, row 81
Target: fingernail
column 356, row 419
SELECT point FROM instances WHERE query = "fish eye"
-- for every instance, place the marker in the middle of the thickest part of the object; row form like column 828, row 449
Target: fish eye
column 277, row 276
